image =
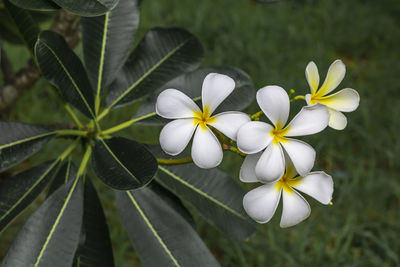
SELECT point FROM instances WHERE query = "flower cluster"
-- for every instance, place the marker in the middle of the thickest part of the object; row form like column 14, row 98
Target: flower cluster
column 273, row 157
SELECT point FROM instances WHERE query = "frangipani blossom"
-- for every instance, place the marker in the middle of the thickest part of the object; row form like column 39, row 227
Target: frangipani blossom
column 261, row 202
column 256, row 136
column 346, row 100
column 189, row 119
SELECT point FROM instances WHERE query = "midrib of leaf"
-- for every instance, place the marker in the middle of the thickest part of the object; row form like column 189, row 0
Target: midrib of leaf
column 57, row 221
column 118, row 161
column 26, row 140
column 151, row 227
column 72, row 80
column 202, row 193
column 148, row 73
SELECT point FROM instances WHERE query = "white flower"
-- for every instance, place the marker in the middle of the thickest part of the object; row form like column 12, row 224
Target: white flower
column 261, row 202
column 346, row 100
column 255, row 136
column 206, row 149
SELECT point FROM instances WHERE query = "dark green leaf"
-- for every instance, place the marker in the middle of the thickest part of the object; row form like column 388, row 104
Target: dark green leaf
column 87, row 8
column 96, row 250
column 213, row 193
column 123, row 164
column 38, row 5
column 67, row 172
column 62, row 67
column 17, row 192
column 159, row 234
column 9, row 31
column 163, row 54
column 19, row 141
column 25, row 23
column 107, row 41
column 191, row 84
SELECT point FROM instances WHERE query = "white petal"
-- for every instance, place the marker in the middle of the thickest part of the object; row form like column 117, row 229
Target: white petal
column 308, row 99
column 274, row 102
column 334, row 77
column 337, row 120
column 312, row 76
column 173, row 104
column 175, row 136
column 346, row 100
column 301, row 154
column 295, row 209
column 271, row 165
column 216, row 87
column 254, row 136
column 229, row 123
column 206, row 149
column 318, row 185
column 261, row 203
column 248, row 169
column 310, row 120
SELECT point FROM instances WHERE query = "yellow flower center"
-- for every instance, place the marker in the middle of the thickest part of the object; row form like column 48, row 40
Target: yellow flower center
column 278, row 134
column 286, row 183
column 203, row 118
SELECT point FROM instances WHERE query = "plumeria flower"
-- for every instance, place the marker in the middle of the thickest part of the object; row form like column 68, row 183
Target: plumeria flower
column 256, row 136
column 346, row 100
column 261, row 202
column 189, row 119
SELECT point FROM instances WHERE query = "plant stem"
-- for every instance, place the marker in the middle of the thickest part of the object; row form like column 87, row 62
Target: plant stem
column 69, row 149
column 256, row 116
column 71, row 132
column 174, row 161
column 299, row 97
column 126, row 124
column 73, row 115
column 233, row 149
column 85, row 160
column 103, row 114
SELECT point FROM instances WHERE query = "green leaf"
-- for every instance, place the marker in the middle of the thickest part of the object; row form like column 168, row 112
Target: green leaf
column 96, row 250
column 191, row 84
column 123, row 164
column 67, row 172
column 213, row 193
column 37, row 5
column 107, row 41
column 62, row 67
column 161, row 237
column 9, row 32
column 19, row 141
column 87, row 8
column 17, row 192
column 163, row 54
column 27, row 26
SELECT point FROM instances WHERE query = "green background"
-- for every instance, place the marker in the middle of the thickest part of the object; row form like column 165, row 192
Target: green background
column 273, row 43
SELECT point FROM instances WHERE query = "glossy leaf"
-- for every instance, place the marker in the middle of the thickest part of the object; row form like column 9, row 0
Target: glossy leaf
column 62, row 67
column 51, row 235
column 213, row 193
column 191, row 84
column 27, row 26
column 16, row 193
column 87, row 8
column 37, row 5
column 107, row 41
column 161, row 237
column 19, row 141
column 163, row 54
column 123, row 164
column 66, row 172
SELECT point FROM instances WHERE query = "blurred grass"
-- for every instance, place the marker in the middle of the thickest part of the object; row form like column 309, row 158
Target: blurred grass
column 274, row 43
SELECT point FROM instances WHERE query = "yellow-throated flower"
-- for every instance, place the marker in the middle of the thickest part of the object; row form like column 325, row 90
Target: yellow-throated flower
column 256, row 136
column 261, row 202
column 175, row 136
column 346, row 100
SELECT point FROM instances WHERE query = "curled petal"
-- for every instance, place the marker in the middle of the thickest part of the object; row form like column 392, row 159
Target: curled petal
column 334, row 77
column 310, row 120
column 318, row 185
column 254, row 136
column 312, row 76
column 271, row 165
column 175, row 135
column 248, row 169
column 229, row 123
column 173, row 104
column 337, row 120
column 206, row 149
column 261, row 203
column 346, row 100
column 301, row 154
column 295, row 209
column 274, row 102
column 216, row 87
